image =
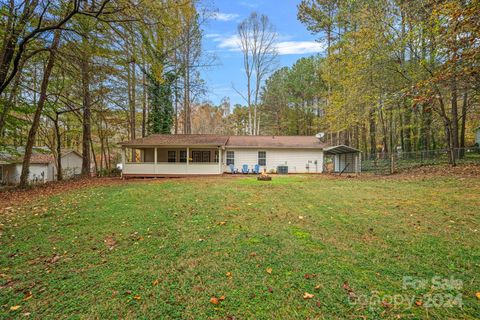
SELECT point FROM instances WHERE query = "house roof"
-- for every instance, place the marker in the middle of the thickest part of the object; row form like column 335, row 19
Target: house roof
column 228, row 141
column 39, row 156
column 303, row 142
column 178, row 140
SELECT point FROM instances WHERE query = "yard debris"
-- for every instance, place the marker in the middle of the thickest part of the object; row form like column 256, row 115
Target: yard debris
column 351, row 295
column 155, row 282
column 477, row 295
column 269, row 270
column 253, row 254
column 214, row 300
column 317, row 287
column 309, row 276
column 28, row 296
column 54, row 259
column 270, row 289
column 386, row 304
column 222, row 223
column 110, row 242
column 228, row 274
column 13, row 308
column 307, row 295
column 419, row 303
column 137, row 297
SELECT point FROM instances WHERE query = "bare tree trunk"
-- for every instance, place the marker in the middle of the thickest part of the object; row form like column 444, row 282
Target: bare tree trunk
column 59, row 148
column 38, row 112
column 87, row 135
column 144, row 107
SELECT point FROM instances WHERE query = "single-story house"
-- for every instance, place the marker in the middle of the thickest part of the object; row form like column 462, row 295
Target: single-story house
column 42, row 166
column 163, row 155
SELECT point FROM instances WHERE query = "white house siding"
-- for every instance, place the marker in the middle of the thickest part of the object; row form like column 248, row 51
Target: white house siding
column 297, row 160
column 71, row 165
column 12, row 173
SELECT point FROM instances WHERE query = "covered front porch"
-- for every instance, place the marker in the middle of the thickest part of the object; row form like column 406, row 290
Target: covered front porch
column 162, row 161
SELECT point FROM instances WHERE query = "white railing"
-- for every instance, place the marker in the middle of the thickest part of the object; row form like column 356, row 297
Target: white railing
column 166, row 168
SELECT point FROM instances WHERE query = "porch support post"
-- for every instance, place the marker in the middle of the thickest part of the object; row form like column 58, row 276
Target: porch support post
column 188, row 158
column 123, row 159
column 155, row 160
column 219, row 160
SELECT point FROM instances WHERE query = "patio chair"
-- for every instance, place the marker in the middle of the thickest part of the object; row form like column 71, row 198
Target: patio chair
column 232, row 169
column 245, row 168
column 256, row 169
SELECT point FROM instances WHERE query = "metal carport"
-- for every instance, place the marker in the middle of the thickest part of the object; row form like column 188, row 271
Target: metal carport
column 345, row 158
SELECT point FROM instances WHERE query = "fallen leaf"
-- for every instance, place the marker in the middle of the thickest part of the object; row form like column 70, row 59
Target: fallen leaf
column 300, row 217
column 419, row 303
column 477, row 295
column 269, row 270
column 13, row 308
column 270, row 289
column 137, row 297
column 214, row 300
column 318, row 287
column 155, row 282
column 221, row 298
column 253, row 254
column 228, row 274
column 319, row 304
column 221, row 223
column 28, row 296
column 307, row 295
column 309, row 276
column 386, row 304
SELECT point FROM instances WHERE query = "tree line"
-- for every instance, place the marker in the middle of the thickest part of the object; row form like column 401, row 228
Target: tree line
column 86, row 74
column 395, row 75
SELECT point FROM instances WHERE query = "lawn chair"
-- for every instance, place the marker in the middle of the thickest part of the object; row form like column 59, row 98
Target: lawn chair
column 245, row 168
column 232, row 169
column 256, row 169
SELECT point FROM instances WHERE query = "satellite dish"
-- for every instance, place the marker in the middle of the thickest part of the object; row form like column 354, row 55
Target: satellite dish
column 320, row 135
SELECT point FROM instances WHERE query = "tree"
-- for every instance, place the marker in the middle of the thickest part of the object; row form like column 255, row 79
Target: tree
column 257, row 41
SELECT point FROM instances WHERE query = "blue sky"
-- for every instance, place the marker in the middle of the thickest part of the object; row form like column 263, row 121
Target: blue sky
column 294, row 42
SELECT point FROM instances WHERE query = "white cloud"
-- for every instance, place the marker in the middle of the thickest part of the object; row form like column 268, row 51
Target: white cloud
column 232, row 43
column 221, row 16
column 248, row 4
column 299, row 47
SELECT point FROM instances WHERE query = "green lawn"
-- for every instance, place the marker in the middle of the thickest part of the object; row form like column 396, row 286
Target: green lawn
column 162, row 249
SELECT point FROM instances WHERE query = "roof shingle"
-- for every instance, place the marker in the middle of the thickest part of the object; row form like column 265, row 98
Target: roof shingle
column 229, row 141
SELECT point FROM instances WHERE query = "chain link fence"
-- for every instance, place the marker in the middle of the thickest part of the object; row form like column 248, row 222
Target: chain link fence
column 387, row 163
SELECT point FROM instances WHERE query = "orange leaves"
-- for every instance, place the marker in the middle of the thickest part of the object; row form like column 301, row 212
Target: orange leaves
column 155, row 282
column 14, row 308
column 307, row 295
column 137, row 297
column 229, row 275
column 214, row 300
column 477, row 295
column 269, row 270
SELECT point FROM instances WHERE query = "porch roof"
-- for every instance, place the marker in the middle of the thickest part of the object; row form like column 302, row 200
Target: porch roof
column 184, row 140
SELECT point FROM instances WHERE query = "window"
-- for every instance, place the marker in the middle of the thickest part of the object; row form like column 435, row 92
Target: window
column 230, row 158
column 172, row 156
column 262, row 158
column 183, row 155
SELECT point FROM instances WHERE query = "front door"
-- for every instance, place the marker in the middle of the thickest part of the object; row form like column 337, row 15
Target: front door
column 201, row 156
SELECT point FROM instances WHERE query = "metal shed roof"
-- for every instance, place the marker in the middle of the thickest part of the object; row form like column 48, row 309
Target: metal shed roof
column 340, row 149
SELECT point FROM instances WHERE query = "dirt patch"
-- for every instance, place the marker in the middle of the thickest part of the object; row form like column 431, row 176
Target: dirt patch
column 14, row 197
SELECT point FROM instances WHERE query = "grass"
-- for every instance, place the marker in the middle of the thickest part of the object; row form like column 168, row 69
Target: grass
column 156, row 250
